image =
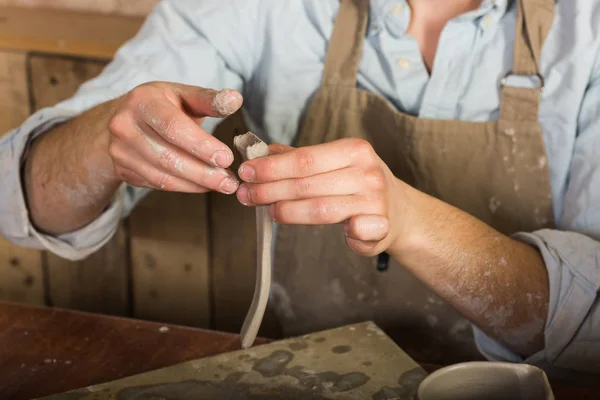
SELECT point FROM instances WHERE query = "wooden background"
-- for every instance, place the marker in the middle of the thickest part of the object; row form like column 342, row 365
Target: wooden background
column 169, row 261
column 114, row 7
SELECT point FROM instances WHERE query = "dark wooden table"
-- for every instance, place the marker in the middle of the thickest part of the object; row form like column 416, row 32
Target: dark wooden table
column 45, row 351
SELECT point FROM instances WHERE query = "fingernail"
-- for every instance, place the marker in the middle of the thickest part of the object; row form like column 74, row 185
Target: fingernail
column 243, row 195
column 229, row 185
column 377, row 227
column 347, row 227
column 226, row 102
column 222, row 158
column 247, row 173
column 272, row 213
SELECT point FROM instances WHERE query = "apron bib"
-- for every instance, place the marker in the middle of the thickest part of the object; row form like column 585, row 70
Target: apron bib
column 496, row 171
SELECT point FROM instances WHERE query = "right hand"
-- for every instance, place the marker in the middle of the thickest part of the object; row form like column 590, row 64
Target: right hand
column 156, row 140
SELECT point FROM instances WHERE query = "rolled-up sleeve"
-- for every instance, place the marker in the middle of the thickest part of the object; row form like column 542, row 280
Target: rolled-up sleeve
column 15, row 224
column 572, row 257
column 180, row 41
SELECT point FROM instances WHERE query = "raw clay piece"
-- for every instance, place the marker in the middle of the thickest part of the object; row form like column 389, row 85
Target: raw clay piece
column 250, row 147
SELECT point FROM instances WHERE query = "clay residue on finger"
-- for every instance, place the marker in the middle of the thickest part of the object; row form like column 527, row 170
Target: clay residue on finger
column 226, row 102
column 170, row 157
column 278, row 148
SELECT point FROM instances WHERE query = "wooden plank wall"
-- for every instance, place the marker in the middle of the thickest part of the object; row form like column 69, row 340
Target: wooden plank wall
column 170, row 259
column 99, row 283
column 158, row 270
column 118, row 7
column 64, row 31
column 179, row 258
column 21, row 272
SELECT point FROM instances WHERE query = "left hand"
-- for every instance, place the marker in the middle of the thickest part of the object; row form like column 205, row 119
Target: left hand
column 340, row 181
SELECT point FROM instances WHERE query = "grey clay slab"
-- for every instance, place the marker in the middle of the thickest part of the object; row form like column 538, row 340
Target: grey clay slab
column 353, row 362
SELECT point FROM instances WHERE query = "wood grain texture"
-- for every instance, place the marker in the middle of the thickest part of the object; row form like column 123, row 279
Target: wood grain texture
column 21, row 274
column 56, row 78
column 169, row 254
column 119, row 7
column 233, row 251
column 14, row 103
column 47, row 351
column 135, row 8
column 65, row 32
column 100, row 282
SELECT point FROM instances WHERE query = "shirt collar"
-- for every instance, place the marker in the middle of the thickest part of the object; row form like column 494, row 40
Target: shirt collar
column 489, row 13
column 502, row 5
column 378, row 9
column 487, row 7
column 392, row 14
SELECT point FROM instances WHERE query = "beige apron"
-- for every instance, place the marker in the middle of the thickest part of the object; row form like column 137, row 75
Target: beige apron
column 496, row 171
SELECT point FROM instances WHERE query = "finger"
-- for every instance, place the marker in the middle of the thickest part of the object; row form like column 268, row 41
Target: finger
column 278, row 148
column 365, row 234
column 179, row 163
column 322, row 210
column 174, row 126
column 201, row 102
column 156, row 178
column 345, row 181
column 367, row 249
column 308, row 161
column 367, row 228
column 131, row 177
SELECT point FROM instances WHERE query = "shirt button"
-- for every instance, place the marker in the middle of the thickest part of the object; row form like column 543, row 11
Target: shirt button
column 487, row 20
column 403, row 63
column 375, row 28
column 397, row 9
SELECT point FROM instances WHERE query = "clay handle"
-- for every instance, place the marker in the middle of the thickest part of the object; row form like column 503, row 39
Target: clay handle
column 250, row 147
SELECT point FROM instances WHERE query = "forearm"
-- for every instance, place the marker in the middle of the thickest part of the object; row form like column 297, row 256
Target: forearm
column 68, row 175
column 498, row 283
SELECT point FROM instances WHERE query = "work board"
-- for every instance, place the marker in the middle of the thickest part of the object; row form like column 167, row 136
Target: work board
column 353, row 362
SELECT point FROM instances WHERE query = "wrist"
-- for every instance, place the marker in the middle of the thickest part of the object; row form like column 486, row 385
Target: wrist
column 101, row 158
column 99, row 143
column 410, row 222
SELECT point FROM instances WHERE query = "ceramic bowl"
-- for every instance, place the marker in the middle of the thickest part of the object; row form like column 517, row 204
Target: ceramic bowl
column 486, row 381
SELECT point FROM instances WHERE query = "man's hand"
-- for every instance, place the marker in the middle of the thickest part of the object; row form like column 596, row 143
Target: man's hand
column 148, row 137
column 498, row 283
column 156, row 140
column 341, row 181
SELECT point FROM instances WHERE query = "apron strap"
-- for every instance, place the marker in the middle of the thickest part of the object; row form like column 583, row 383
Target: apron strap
column 345, row 47
column 534, row 20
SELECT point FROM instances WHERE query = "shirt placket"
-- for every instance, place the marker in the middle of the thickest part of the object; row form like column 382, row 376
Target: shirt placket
column 401, row 52
column 417, row 92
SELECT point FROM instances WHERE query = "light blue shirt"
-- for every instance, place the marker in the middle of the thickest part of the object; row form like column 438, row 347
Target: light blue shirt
column 273, row 51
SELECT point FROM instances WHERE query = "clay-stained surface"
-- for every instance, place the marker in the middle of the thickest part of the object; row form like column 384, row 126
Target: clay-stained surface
column 354, row 362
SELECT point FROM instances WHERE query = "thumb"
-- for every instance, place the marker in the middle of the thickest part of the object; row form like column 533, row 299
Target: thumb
column 200, row 102
column 367, row 228
column 365, row 233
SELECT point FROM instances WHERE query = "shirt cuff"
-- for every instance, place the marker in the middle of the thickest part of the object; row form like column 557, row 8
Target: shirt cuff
column 15, row 223
column 493, row 350
column 572, row 263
